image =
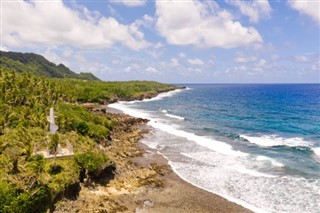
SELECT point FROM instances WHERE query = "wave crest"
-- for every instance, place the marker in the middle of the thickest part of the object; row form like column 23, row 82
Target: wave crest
column 274, row 140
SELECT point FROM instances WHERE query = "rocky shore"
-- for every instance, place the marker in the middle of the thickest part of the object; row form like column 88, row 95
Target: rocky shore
column 142, row 180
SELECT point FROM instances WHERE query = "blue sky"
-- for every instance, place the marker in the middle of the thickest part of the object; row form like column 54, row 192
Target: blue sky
column 185, row 41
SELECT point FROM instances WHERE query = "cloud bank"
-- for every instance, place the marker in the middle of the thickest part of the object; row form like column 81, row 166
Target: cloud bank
column 309, row 8
column 255, row 9
column 53, row 23
column 201, row 24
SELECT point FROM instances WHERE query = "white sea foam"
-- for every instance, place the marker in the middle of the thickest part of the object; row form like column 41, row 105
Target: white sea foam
column 200, row 181
column 316, row 151
column 274, row 140
column 267, row 159
column 162, row 95
column 212, row 144
column 165, row 112
column 174, row 116
column 124, row 108
column 258, row 193
column 230, row 163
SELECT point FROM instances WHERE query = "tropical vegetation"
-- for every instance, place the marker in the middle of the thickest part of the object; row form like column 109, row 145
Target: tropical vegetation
column 29, row 182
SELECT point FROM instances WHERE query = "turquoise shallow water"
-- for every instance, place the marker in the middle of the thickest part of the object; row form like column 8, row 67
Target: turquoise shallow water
column 258, row 145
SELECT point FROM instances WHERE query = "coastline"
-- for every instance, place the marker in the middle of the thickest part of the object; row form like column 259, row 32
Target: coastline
column 143, row 181
column 183, row 196
column 179, row 186
column 152, row 156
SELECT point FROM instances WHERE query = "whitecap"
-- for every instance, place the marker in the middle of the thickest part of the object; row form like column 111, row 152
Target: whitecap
column 212, row 144
column 316, row 151
column 162, row 95
column 274, row 140
column 174, row 116
column 272, row 161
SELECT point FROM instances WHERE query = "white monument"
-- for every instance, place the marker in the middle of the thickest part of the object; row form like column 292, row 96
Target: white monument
column 53, row 126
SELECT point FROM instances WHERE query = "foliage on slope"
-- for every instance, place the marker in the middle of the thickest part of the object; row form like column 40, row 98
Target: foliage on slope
column 38, row 65
column 93, row 91
column 28, row 182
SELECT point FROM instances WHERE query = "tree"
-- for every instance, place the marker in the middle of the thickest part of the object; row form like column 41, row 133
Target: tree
column 37, row 166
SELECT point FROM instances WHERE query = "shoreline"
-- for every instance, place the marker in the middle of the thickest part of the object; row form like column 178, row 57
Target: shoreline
column 222, row 204
column 143, row 180
column 191, row 198
column 162, row 158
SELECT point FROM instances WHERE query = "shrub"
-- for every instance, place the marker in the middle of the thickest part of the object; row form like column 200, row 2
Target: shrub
column 91, row 161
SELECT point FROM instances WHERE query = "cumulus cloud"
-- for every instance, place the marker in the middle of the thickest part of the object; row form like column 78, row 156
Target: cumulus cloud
column 245, row 58
column 309, row 8
column 130, row 3
column 255, row 9
column 151, row 70
column 52, row 56
column 202, row 24
column 195, row 61
column 53, row 23
column 128, row 69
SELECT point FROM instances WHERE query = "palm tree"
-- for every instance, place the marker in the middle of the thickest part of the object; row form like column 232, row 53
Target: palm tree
column 37, row 166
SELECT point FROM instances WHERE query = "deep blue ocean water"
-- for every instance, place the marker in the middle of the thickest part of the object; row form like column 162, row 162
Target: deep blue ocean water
column 257, row 145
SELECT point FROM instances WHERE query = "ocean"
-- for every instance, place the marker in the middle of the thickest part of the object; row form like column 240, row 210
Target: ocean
column 256, row 145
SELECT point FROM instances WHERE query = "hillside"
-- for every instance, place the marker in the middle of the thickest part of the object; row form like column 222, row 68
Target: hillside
column 29, row 182
column 38, row 65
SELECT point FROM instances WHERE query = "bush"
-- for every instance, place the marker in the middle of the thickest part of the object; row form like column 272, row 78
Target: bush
column 92, row 161
column 13, row 200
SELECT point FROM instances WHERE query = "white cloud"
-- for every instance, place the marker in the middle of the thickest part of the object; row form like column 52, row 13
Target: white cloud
column 260, row 67
column 135, row 65
column 130, row 3
column 254, row 9
column 151, row 70
column 310, row 57
column 52, row 56
column 262, row 62
column 196, row 61
column 301, row 58
column 174, row 62
column 194, row 70
column 182, row 55
column 244, row 58
column 4, row 48
column 113, row 12
column 158, row 45
column 201, row 24
column 309, row 8
column 68, row 53
column 26, row 23
column 128, row 69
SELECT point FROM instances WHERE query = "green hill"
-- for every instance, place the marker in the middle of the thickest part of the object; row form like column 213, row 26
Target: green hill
column 29, row 182
column 38, row 65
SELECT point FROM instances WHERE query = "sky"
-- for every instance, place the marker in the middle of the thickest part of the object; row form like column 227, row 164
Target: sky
column 171, row 41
